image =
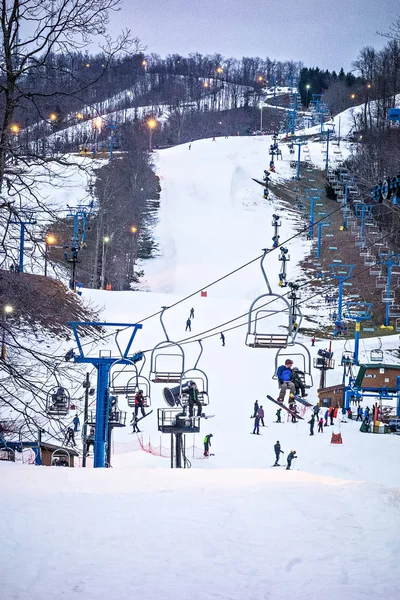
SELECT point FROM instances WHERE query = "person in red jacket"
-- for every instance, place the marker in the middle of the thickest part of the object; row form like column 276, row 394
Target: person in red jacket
column 139, row 403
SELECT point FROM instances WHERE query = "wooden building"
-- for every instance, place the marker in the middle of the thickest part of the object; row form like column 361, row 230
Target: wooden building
column 331, row 396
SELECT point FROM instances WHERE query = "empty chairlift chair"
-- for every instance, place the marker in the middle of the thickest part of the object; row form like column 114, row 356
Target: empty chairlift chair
column 262, row 330
column 167, row 360
column 376, row 354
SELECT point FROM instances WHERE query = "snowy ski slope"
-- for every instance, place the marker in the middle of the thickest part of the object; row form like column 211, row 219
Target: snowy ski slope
column 231, row 527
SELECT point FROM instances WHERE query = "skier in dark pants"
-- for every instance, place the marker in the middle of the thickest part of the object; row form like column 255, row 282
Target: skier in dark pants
column 260, row 413
column 331, row 414
column 191, row 316
column 290, row 457
column 134, row 421
column 316, row 411
column 311, row 422
column 278, row 415
column 70, row 438
column 298, row 382
column 278, row 452
column 256, row 407
column 321, row 425
column 207, row 443
column 194, row 399
column 188, row 325
column 256, row 429
column 359, row 413
column 222, row 339
column 139, row 403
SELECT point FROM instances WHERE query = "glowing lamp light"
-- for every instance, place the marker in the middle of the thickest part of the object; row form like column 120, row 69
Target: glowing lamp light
column 206, row 84
column 144, row 63
column 369, row 86
column 87, row 65
column 133, row 229
column 8, row 309
column 98, row 122
column 106, row 239
column 352, row 96
column 79, row 115
column 50, row 239
column 260, row 78
column 308, row 86
column 219, row 70
column 152, row 123
column 14, row 128
column 53, row 117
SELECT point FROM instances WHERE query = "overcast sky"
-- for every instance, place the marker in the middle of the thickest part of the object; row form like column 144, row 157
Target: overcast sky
column 324, row 33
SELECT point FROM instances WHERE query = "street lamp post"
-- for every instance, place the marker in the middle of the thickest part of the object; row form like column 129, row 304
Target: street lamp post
column 151, row 123
column 308, row 87
column 106, row 239
column 7, row 310
column 49, row 241
column 134, row 231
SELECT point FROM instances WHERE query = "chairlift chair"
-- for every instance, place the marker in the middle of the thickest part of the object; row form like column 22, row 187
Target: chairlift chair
column 302, row 359
column 164, row 373
column 376, row 354
column 61, row 458
column 200, row 379
column 258, row 337
column 58, row 402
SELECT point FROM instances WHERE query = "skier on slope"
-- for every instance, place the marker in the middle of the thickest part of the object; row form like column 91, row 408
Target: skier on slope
column 256, row 429
column 278, row 452
column 290, row 457
column 321, row 425
column 359, row 413
column 76, row 423
column 256, row 407
column 311, row 423
column 191, row 316
column 316, row 411
column 222, row 337
column 284, row 374
column 134, row 423
column 70, row 438
column 278, row 415
column 207, row 443
column 188, row 325
column 260, row 413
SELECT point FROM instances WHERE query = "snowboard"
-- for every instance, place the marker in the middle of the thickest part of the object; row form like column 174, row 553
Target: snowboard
column 263, row 183
column 285, row 407
column 302, row 401
column 203, row 416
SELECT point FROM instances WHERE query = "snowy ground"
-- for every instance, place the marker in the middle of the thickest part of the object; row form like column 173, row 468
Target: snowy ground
column 231, row 527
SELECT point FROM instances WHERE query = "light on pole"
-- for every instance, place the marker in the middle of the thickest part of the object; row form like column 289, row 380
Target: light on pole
column 49, row 241
column 152, row 124
column 308, row 87
column 7, row 310
column 106, row 239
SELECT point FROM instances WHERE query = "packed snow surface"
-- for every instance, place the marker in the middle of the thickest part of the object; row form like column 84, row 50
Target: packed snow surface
column 231, row 527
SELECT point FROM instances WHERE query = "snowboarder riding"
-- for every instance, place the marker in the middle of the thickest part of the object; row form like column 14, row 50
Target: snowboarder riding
column 207, row 443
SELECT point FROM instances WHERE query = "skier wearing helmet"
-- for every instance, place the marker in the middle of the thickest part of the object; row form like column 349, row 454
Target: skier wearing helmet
column 139, row 403
column 297, row 379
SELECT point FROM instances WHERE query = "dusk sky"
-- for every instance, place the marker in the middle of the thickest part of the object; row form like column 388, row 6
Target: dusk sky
column 328, row 34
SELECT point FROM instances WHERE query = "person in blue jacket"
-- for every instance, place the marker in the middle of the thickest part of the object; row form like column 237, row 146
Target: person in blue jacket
column 284, row 374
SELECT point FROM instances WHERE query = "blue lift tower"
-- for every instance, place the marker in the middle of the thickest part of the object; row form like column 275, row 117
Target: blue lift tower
column 103, row 363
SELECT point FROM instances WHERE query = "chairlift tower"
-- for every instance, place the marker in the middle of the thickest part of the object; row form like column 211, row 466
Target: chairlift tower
column 327, row 133
column 362, row 211
column 341, row 273
column 103, row 363
column 276, row 224
column 299, row 144
column 393, row 260
column 23, row 221
column 358, row 312
column 314, row 195
column 320, row 226
column 284, row 257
